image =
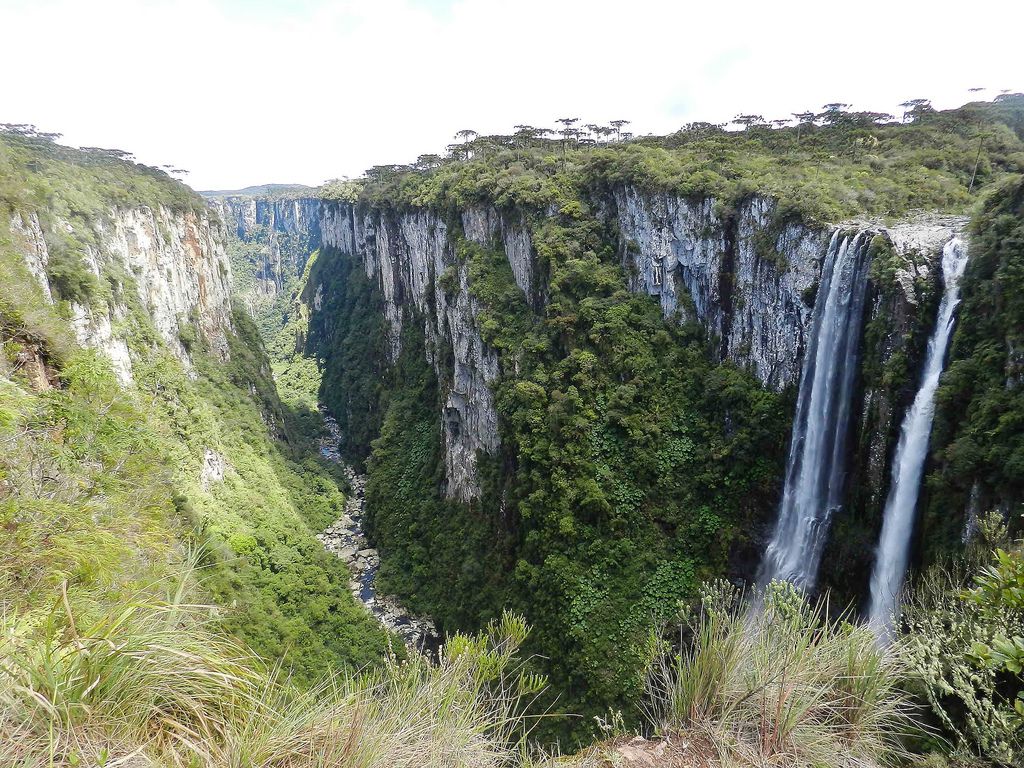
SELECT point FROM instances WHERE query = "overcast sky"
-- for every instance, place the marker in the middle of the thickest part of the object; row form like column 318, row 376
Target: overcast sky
column 245, row 92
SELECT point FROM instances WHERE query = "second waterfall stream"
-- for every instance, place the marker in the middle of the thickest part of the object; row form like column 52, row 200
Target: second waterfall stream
column 912, row 451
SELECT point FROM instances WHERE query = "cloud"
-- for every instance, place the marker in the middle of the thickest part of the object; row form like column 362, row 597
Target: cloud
column 249, row 92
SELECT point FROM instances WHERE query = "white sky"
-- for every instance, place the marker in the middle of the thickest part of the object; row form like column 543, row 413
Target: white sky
column 246, row 92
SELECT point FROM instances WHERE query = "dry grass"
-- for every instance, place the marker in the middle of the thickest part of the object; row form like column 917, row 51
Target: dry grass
column 782, row 684
column 150, row 684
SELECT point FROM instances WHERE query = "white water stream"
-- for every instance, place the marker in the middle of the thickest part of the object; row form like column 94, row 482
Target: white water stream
column 912, row 451
column 816, row 468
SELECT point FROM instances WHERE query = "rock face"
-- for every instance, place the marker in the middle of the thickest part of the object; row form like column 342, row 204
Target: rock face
column 487, row 227
column 29, row 239
column 289, row 230
column 406, row 254
column 176, row 261
column 742, row 276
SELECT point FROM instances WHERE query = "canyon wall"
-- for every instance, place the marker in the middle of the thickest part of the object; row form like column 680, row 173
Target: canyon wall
column 747, row 275
column 173, row 263
column 286, row 230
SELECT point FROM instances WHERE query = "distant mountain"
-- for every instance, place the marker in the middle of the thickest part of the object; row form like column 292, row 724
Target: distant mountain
column 261, row 190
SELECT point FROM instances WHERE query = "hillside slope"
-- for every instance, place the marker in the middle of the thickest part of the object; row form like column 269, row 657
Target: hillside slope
column 140, row 418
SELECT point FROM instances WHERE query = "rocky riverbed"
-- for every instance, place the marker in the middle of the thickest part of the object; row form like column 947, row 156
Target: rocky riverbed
column 345, row 539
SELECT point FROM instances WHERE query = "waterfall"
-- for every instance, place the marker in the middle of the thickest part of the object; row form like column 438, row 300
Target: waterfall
column 911, row 452
column 816, row 468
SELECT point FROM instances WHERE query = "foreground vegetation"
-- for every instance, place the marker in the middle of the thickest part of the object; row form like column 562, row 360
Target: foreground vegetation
column 775, row 681
column 151, row 683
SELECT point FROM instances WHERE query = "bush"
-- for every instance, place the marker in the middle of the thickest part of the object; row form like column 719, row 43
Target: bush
column 152, row 684
column 961, row 639
column 775, row 681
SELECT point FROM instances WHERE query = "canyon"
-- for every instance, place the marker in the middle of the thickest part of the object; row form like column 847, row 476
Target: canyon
column 574, row 390
column 749, row 283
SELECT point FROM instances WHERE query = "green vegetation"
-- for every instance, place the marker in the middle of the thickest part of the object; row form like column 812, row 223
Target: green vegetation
column 786, row 686
column 827, row 167
column 101, row 485
column 962, row 639
column 978, row 439
column 152, row 683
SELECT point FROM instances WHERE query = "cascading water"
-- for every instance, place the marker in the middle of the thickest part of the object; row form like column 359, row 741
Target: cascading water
column 911, row 452
column 816, row 467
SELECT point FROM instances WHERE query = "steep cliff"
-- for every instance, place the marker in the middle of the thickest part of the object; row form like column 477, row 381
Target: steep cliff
column 742, row 274
column 173, row 263
column 140, row 420
column 275, row 238
column 406, row 254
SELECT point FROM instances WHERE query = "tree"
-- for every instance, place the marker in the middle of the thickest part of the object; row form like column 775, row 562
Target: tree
column 700, row 130
column 832, row 113
column 568, row 132
column 425, row 162
column 567, row 123
column 802, row 119
column 29, row 131
column 466, row 135
column 914, row 107
column 385, row 172
column 617, row 126
column 748, row 121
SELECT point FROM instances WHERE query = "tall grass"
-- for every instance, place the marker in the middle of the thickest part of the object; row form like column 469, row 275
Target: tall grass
column 781, row 683
column 151, row 684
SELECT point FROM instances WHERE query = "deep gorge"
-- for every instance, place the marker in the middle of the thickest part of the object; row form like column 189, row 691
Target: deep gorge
column 576, row 383
column 426, row 300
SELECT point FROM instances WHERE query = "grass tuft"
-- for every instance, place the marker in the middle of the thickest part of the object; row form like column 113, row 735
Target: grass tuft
column 152, row 683
column 776, row 681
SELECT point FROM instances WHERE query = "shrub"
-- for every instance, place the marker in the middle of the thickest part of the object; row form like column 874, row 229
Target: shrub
column 775, row 681
column 152, row 684
column 962, row 642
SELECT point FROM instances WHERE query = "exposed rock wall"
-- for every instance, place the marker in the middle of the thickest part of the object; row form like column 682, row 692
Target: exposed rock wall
column 289, row 230
column 741, row 275
column 715, row 270
column 406, row 253
column 29, row 239
column 176, row 261
column 486, row 226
